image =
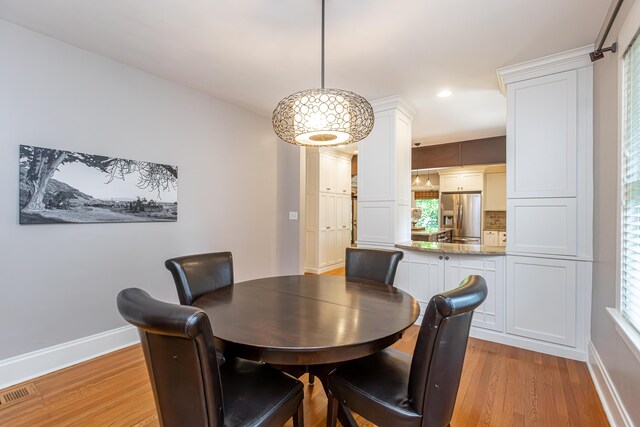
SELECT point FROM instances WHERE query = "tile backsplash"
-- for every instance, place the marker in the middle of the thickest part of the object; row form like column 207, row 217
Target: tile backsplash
column 495, row 220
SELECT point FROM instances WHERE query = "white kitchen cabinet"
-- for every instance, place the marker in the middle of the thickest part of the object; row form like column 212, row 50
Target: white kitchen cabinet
column 425, row 274
column 343, row 175
column 328, row 210
column 542, row 132
column 550, row 156
column 328, row 172
column 550, row 201
column 471, row 181
column 449, row 183
column 457, row 267
column 490, row 238
column 495, row 197
column 541, row 299
column 542, row 226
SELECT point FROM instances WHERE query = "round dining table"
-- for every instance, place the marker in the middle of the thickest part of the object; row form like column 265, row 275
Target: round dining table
column 307, row 319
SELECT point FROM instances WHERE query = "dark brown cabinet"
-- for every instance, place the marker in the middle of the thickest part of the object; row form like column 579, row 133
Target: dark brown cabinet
column 465, row 153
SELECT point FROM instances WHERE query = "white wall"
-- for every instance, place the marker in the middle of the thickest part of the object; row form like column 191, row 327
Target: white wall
column 622, row 367
column 59, row 282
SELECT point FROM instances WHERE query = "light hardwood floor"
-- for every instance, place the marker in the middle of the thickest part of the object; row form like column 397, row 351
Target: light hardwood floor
column 500, row 386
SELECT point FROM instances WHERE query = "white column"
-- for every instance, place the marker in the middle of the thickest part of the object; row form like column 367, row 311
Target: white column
column 384, row 176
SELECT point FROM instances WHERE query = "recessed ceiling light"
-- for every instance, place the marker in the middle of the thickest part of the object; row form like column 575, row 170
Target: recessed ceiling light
column 444, row 93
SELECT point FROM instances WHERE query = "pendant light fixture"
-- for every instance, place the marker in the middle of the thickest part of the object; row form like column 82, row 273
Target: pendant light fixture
column 323, row 117
column 429, row 184
column 417, row 182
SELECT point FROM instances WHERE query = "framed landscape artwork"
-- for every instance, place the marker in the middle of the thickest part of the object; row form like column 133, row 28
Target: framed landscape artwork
column 59, row 186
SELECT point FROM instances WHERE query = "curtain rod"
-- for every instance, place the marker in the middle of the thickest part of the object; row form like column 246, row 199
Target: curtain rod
column 604, row 32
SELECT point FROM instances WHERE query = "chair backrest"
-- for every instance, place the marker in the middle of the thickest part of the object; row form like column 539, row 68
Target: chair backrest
column 437, row 361
column 196, row 275
column 372, row 264
column 179, row 351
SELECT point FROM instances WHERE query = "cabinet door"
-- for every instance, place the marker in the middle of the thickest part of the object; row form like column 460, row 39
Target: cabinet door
column 344, row 176
column 327, row 172
column 542, row 226
column 495, row 198
column 471, row 182
column 424, row 277
column 542, row 132
column 490, row 313
column 449, row 183
column 343, row 242
column 541, row 299
column 323, row 250
column 344, row 212
column 328, row 211
column 332, row 246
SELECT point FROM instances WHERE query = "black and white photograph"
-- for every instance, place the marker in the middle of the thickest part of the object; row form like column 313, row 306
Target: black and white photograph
column 58, row 186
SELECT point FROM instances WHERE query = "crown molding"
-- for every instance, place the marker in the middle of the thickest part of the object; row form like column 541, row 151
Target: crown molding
column 394, row 103
column 556, row 63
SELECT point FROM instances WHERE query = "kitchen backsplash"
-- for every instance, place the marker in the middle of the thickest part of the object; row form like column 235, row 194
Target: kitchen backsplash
column 495, row 220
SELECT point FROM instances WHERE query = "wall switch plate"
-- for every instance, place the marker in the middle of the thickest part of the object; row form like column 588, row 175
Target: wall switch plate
column 293, row 215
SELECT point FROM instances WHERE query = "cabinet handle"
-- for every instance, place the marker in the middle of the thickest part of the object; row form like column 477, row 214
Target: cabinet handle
column 440, row 257
column 328, row 188
column 446, row 258
column 328, row 227
column 344, row 191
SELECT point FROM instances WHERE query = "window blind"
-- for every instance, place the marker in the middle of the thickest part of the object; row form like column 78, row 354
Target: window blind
column 427, row 195
column 630, row 274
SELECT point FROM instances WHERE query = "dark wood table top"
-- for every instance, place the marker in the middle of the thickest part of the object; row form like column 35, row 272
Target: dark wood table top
column 308, row 320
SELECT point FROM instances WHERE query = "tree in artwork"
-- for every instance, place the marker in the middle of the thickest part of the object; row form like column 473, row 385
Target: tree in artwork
column 39, row 165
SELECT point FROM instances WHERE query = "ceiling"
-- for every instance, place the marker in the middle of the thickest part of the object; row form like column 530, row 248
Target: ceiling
column 253, row 53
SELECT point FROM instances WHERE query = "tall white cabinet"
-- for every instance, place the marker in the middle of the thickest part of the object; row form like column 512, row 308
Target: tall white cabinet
column 549, row 201
column 328, row 209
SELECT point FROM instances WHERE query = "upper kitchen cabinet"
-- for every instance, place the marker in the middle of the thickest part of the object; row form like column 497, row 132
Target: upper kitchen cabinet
column 471, row 181
column 550, row 154
column 495, row 198
column 464, row 153
column 542, row 132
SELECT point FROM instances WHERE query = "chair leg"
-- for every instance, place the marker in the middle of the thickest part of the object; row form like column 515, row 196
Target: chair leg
column 312, row 379
column 298, row 418
column 332, row 410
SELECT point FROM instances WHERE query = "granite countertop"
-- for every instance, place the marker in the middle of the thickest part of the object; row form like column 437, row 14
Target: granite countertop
column 430, row 231
column 451, row 248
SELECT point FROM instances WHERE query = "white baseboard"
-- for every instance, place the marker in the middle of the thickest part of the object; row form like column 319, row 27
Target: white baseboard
column 27, row 366
column 528, row 344
column 324, row 269
column 611, row 402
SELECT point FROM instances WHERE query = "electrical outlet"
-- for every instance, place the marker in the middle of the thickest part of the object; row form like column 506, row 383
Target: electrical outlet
column 293, row 215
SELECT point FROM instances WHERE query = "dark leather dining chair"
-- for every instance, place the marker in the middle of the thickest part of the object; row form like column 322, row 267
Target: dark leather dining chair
column 196, row 275
column 372, row 264
column 391, row 388
column 189, row 387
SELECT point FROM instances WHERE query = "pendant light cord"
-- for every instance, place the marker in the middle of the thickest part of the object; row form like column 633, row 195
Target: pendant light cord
column 322, row 55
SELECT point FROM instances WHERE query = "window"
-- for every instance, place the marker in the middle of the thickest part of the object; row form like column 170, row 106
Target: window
column 630, row 188
column 429, row 203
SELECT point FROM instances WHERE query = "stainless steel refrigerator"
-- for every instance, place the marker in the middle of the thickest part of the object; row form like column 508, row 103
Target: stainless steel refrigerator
column 462, row 212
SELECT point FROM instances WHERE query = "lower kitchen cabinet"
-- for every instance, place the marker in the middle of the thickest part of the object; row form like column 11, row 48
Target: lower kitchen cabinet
column 425, row 274
column 541, row 299
column 537, row 303
column 490, row 314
